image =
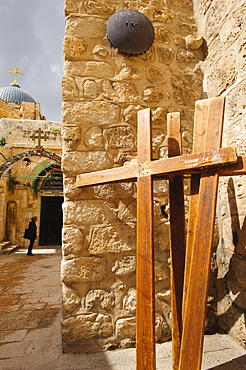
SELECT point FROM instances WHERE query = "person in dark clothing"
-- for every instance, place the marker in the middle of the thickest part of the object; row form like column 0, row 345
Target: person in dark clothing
column 32, row 234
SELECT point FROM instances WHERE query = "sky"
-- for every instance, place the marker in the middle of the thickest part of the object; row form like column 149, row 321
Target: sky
column 31, row 36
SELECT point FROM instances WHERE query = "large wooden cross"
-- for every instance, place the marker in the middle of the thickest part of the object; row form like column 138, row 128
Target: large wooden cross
column 190, row 266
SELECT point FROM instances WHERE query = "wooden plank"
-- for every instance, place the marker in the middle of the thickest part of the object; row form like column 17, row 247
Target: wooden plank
column 177, row 246
column 162, row 167
column 145, row 314
column 199, row 271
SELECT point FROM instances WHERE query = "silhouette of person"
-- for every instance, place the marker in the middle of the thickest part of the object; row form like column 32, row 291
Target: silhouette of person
column 32, row 234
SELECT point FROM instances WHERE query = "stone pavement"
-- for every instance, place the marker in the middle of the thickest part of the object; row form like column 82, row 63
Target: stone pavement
column 30, row 337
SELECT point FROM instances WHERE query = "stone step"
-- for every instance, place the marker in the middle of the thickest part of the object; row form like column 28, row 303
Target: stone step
column 6, row 247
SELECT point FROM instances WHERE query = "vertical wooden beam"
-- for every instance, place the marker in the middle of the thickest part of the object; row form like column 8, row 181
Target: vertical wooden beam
column 199, row 269
column 145, row 315
column 177, row 228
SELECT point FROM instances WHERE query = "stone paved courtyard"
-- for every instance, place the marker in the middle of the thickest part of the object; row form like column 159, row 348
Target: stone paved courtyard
column 30, row 302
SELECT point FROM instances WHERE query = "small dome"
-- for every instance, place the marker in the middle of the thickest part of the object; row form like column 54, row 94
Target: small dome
column 14, row 94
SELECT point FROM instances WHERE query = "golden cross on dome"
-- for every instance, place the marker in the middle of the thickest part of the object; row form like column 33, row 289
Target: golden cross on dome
column 16, row 73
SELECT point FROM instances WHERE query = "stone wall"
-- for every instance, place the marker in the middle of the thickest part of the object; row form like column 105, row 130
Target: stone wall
column 102, row 92
column 223, row 26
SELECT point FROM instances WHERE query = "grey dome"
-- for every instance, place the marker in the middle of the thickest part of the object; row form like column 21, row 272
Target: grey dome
column 14, row 94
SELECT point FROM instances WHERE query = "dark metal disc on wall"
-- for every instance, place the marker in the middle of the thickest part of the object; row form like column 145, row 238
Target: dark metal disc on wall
column 130, row 31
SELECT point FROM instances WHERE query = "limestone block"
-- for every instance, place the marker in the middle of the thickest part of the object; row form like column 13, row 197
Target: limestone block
column 73, row 47
column 70, row 299
column 69, row 88
column 131, row 114
column 165, row 15
column 185, row 56
column 187, row 89
column 234, row 26
column 121, row 137
column 120, row 92
column 181, row 6
column 128, row 214
column 130, row 300
column 89, row 212
column 86, row 113
column 159, row 115
column 72, row 241
column 155, row 75
column 129, row 73
column 224, row 73
column 88, row 69
column 83, row 269
column 185, row 29
column 162, row 34
column 86, row 27
column 75, row 163
column 153, row 94
column 91, row 89
column 93, row 138
column 114, row 191
column 124, row 266
column 112, row 239
column 70, row 189
column 71, row 135
column 70, row 7
column 162, row 237
column 87, row 326
column 165, row 54
column 100, row 7
column 126, row 327
column 157, row 138
column 161, row 271
column 193, row 43
column 99, row 299
column 100, row 51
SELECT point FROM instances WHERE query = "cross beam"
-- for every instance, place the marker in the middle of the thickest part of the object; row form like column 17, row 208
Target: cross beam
column 38, row 135
column 143, row 171
column 16, row 73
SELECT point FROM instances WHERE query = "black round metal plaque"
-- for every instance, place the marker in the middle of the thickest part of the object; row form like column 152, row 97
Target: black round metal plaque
column 130, row 31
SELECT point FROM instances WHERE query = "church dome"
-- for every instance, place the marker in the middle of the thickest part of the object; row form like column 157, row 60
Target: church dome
column 14, row 94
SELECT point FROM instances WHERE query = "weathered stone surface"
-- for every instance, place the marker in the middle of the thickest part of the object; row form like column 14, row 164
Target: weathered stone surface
column 159, row 116
column 96, row 112
column 86, row 27
column 89, row 212
column 155, row 75
column 86, row 327
column 185, row 56
column 83, row 269
column 162, row 237
column 74, row 47
column 69, row 88
column 120, row 92
column 88, row 69
column 130, row 300
column 128, row 214
column 124, row 266
column 70, row 189
column 112, row 239
column 75, row 163
column 70, row 299
column 126, row 327
column 99, row 299
column 193, row 43
column 131, row 114
column 153, row 94
column 165, row 15
column 165, row 55
column 114, row 191
column 94, row 138
column 161, row 271
column 121, row 137
column 181, row 94
column 72, row 240
column 100, row 51
column 71, row 135
column 70, row 7
column 100, row 7
column 129, row 73
column 162, row 34
column 90, row 89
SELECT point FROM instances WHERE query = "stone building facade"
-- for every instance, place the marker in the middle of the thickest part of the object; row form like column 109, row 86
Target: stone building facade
column 30, row 170
column 198, row 52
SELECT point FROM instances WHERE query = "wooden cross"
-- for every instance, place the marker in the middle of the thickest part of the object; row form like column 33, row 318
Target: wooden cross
column 16, row 73
column 205, row 161
column 39, row 136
